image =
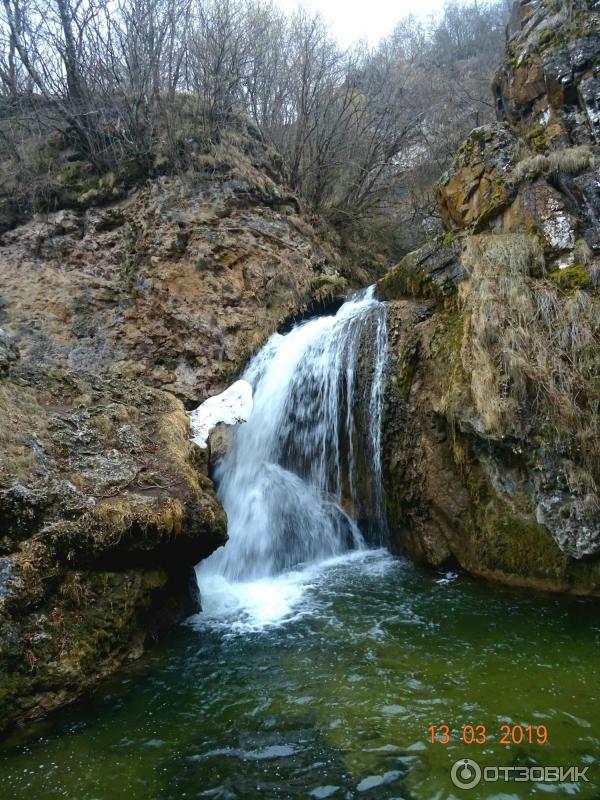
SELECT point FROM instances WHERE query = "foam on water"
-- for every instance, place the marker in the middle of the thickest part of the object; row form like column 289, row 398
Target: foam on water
column 257, row 605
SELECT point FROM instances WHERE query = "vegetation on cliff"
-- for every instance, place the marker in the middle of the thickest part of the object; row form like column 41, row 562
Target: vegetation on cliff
column 95, row 97
column 501, row 403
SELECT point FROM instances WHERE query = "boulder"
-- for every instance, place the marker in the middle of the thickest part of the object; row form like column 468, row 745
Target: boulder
column 105, row 507
column 477, row 186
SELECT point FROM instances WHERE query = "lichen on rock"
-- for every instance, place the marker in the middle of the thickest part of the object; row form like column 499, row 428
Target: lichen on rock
column 104, row 508
column 492, row 446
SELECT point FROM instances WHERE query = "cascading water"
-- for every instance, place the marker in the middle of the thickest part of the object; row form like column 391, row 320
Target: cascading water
column 306, row 467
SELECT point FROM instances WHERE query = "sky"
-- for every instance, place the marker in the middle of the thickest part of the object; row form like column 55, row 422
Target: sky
column 351, row 20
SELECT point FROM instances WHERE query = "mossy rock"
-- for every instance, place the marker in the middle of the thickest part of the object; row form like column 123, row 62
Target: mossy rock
column 503, row 539
column 433, row 272
column 570, row 278
column 407, row 280
column 103, row 512
column 537, row 139
column 328, row 287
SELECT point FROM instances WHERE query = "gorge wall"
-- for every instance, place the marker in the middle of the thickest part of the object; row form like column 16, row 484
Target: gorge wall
column 492, row 455
column 178, row 280
column 129, row 305
column 116, row 311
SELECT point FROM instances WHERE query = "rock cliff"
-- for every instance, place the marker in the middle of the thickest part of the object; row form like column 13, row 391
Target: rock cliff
column 178, row 280
column 104, row 509
column 116, row 309
column 492, row 446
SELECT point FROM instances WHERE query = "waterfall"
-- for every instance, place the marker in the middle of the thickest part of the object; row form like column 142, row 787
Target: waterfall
column 306, row 467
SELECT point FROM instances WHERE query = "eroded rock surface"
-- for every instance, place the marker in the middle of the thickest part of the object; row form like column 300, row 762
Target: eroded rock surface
column 492, row 435
column 178, row 282
column 104, row 509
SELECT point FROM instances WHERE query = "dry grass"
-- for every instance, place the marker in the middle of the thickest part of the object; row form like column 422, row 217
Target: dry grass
column 569, row 161
column 582, row 253
column 532, row 352
column 20, row 418
column 593, row 271
column 228, row 157
column 117, row 516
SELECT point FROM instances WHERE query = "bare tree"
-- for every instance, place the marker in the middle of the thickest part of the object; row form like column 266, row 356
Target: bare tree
column 363, row 133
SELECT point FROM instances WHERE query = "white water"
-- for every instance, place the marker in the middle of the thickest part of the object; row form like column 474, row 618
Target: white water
column 304, row 467
column 239, row 607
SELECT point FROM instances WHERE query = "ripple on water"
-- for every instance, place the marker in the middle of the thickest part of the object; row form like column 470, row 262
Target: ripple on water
column 315, row 686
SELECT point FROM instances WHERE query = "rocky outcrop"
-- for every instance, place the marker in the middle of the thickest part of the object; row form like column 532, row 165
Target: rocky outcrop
column 104, row 509
column 492, row 446
column 139, row 293
column 178, row 281
column 548, row 87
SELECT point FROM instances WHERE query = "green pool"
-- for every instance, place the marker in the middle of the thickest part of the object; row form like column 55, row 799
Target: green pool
column 324, row 683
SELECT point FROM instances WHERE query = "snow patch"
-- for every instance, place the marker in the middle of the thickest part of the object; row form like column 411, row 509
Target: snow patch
column 231, row 406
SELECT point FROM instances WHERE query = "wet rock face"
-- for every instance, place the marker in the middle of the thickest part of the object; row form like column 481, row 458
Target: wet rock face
column 492, row 446
column 104, row 509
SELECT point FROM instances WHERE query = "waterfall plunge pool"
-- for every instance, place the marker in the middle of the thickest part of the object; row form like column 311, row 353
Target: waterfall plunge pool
column 318, row 666
column 329, row 692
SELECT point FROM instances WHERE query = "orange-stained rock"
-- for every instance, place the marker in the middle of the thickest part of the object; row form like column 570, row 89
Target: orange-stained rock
column 477, row 186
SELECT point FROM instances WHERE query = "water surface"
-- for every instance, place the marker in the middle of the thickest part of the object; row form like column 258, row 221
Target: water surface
column 323, row 683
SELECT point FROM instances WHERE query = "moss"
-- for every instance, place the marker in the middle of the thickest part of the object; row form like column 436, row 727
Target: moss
column 154, row 579
column 502, row 540
column 570, row 278
column 448, row 337
column 445, row 350
column 549, row 38
column 327, row 287
column 448, row 238
column 536, row 137
column 516, row 544
column 406, row 279
column 407, row 369
column 475, row 140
